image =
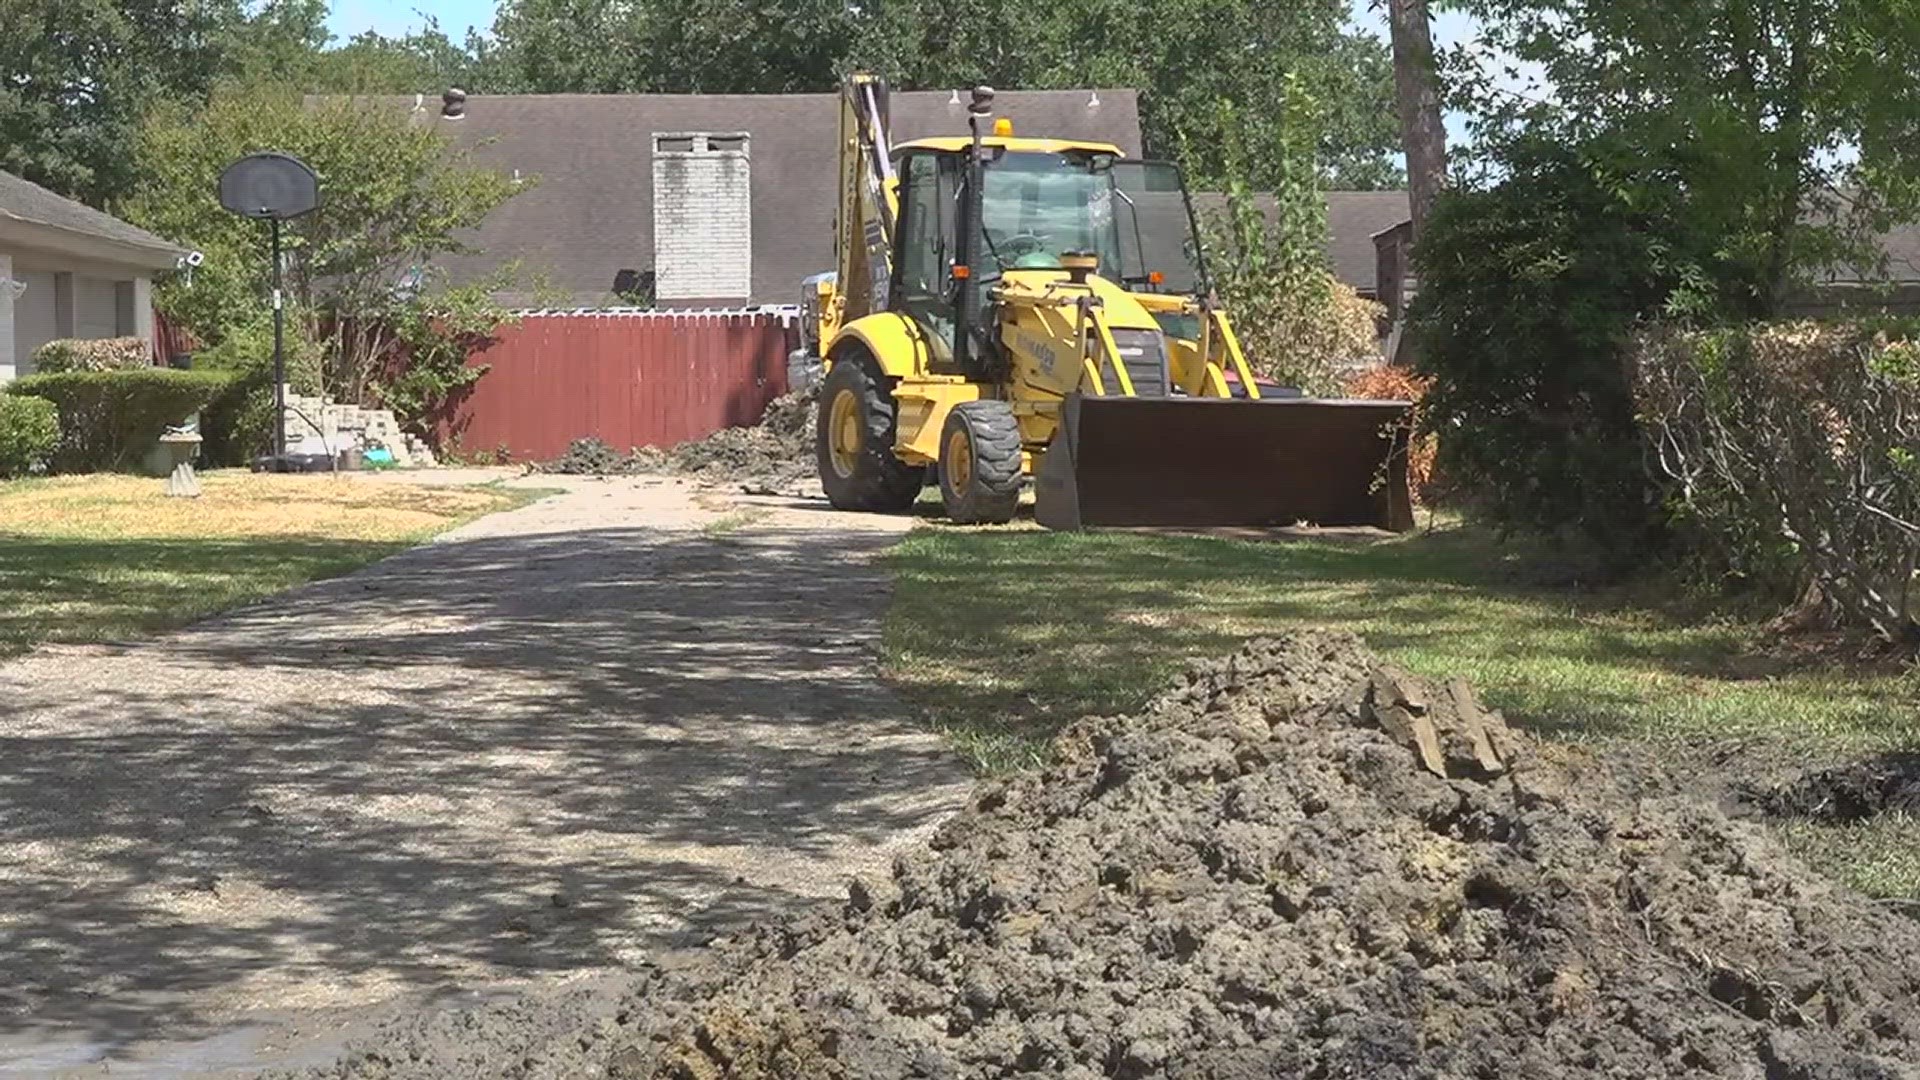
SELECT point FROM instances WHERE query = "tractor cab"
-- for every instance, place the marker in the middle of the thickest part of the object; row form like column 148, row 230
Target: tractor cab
column 1044, row 208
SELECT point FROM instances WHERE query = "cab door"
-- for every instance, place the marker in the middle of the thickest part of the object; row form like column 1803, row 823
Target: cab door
column 925, row 247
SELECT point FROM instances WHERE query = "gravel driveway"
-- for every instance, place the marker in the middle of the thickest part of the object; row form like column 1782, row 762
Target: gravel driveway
column 539, row 747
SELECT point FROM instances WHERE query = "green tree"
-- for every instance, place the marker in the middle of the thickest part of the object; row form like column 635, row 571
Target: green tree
column 1530, row 292
column 423, row 61
column 75, row 76
column 1296, row 321
column 1784, row 122
column 568, row 46
column 396, row 198
column 1187, row 57
column 1699, row 163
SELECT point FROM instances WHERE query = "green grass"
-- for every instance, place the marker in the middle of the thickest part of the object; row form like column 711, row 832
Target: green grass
column 729, row 523
column 107, row 558
column 1879, row 857
column 1005, row 635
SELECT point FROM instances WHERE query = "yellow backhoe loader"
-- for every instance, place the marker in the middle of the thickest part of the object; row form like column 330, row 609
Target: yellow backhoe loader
column 1008, row 307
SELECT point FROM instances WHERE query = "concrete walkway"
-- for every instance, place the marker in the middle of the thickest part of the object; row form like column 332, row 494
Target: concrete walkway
column 539, row 747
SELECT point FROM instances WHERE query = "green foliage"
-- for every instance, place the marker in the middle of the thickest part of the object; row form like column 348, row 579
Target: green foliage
column 84, row 354
column 76, row 76
column 1297, row 323
column 110, row 419
column 78, row 72
column 1780, row 124
column 1530, row 291
column 248, row 348
column 1794, row 445
column 1186, row 56
column 431, row 341
column 238, row 425
column 396, row 198
column 29, row 431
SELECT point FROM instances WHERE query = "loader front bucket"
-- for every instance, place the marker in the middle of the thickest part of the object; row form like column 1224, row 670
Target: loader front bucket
column 1127, row 461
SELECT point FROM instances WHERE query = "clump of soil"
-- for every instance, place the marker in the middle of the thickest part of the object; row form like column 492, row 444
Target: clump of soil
column 1889, row 783
column 1296, row 862
column 775, row 457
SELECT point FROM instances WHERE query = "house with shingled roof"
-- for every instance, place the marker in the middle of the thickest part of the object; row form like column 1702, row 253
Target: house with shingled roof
column 727, row 200
column 699, row 200
column 70, row 271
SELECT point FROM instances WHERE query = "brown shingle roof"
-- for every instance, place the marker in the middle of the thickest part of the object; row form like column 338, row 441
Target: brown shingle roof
column 24, row 200
column 590, row 213
column 1902, row 247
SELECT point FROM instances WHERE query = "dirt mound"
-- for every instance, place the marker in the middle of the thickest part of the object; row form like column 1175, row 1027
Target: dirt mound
column 775, row 457
column 1295, row 863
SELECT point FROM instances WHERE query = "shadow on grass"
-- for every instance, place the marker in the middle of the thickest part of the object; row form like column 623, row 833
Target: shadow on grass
column 1007, row 635
column 86, row 590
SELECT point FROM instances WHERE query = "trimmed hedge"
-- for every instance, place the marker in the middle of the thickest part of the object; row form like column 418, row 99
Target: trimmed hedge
column 1797, row 444
column 83, row 354
column 110, row 419
column 29, row 431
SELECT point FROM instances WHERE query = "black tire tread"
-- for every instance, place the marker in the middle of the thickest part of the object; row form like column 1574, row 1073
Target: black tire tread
column 994, row 496
column 881, row 482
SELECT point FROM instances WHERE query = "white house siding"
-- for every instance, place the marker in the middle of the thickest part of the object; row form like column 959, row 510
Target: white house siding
column 7, row 369
column 93, row 308
column 67, row 297
column 33, row 316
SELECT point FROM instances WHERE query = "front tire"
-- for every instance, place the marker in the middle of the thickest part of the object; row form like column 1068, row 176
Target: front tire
column 980, row 463
column 854, row 442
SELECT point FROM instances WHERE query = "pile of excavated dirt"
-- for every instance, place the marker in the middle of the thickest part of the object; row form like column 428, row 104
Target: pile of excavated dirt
column 1278, row 869
column 775, row 457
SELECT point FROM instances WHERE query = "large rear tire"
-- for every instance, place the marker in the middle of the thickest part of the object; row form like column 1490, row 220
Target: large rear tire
column 854, row 444
column 980, row 463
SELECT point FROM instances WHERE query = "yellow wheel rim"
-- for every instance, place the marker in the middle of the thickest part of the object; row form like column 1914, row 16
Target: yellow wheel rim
column 843, row 432
column 959, row 461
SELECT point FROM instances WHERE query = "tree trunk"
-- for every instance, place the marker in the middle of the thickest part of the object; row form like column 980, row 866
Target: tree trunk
column 1417, row 86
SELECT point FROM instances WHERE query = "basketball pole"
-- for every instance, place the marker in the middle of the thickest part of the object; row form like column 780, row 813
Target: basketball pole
column 279, row 356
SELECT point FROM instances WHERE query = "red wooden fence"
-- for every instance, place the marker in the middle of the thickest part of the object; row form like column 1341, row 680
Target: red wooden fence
column 630, row 379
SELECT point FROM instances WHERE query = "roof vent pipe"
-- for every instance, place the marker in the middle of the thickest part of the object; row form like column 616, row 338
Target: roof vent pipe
column 453, row 104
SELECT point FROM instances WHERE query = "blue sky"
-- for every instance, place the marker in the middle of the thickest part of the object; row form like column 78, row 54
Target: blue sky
column 349, row 17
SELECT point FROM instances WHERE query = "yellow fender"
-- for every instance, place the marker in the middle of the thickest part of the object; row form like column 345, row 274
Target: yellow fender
column 890, row 338
column 902, row 350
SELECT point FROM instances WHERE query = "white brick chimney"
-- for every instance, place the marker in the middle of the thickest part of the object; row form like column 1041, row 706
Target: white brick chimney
column 702, row 216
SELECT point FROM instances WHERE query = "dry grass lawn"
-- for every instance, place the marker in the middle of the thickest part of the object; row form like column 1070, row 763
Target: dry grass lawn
column 107, row 557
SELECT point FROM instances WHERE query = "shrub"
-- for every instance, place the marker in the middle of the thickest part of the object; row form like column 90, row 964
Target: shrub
column 1384, row 382
column 1798, row 439
column 29, row 430
column 103, row 354
column 1530, row 293
column 238, row 426
column 1308, row 333
column 110, row 419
